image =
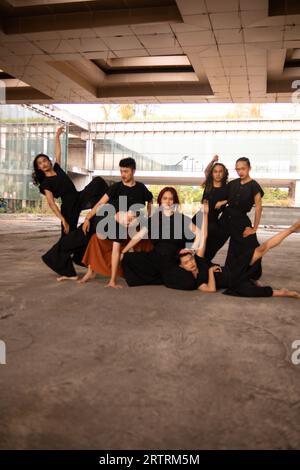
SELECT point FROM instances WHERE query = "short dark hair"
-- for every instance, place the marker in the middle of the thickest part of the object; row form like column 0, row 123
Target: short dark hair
column 244, row 159
column 127, row 163
column 181, row 255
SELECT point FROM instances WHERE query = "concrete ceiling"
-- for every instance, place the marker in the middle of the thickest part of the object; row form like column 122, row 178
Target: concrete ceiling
column 149, row 51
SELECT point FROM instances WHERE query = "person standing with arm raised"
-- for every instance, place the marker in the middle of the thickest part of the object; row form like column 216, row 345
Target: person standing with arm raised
column 54, row 183
column 216, row 193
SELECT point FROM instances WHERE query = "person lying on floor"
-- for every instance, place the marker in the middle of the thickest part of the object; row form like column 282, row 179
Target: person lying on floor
column 195, row 272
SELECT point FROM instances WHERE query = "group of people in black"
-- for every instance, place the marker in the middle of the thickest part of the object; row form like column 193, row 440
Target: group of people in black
column 153, row 246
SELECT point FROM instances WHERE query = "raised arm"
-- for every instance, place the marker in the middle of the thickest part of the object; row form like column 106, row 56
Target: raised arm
column 59, row 132
column 197, row 239
column 204, row 230
column 210, row 165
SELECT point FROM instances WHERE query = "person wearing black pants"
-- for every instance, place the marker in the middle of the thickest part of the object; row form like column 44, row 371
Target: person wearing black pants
column 54, row 183
column 69, row 250
column 194, row 272
column 216, row 193
column 169, row 230
column 243, row 194
column 61, row 256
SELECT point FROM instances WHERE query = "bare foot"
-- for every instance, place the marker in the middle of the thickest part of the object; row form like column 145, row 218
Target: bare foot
column 90, row 274
column 114, row 285
column 258, row 283
column 294, row 294
column 66, row 278
column 287, row 293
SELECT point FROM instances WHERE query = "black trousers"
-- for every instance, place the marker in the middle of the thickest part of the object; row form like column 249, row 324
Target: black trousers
column 150, row 269
column 69, row 250
column 239, row 279
column 217, row 233
column 142, row 269
column 249, row 289
column 233, row 225
column 216, row 239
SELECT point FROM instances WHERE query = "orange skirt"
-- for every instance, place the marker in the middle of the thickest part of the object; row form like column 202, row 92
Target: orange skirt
column 98, row 254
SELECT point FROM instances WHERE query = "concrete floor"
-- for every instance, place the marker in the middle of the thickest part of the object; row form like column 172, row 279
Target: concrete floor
column 142, row 368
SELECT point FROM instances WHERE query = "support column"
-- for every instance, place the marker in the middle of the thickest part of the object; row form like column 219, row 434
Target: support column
column 291, row 194
column 297, row 194
column 89, row 157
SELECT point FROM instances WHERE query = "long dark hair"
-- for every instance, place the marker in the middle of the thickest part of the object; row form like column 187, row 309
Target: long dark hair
column 209, row 182
column 37, row 174
column 172, row 191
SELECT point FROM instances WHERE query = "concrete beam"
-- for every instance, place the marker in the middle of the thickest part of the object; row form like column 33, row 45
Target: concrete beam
column 26, row 95
column 27, row 3
column 153, row 89
column 92, row 19
column 72, row 74
column 280, row 86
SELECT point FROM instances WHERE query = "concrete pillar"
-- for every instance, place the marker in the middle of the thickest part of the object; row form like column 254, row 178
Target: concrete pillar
column 80, row 181
column 291, row 194
column 297, row 194
column 89, row 155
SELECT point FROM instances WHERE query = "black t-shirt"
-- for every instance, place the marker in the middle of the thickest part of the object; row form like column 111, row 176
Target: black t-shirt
column 203, row 267
column 135, row 195
column 169, row 234
column 213, row 196
column 60, row 184
column 241, row 196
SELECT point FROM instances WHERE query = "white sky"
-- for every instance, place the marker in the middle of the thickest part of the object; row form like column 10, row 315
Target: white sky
column 93, row 112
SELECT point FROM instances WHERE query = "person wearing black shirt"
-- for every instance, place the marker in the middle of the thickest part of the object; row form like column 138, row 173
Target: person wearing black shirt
column 197, row 273
column 243, row 193
column 54, row 183
column 170, row 231
column 125, row 196
column 131, row 191
column 216, row 193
